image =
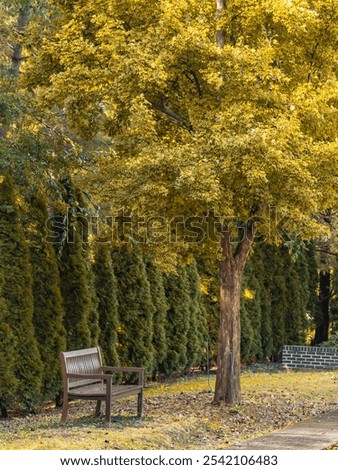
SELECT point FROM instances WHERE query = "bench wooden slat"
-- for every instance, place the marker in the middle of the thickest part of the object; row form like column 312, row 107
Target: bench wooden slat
column 100, row 390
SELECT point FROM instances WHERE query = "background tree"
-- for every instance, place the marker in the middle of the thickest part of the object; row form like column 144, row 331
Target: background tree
column 74, row 272
column 197, row 329
column 135, row 307
column 251, row 309
column 48, row 311
column 297, row 285
column 106, row 290
column 326, row 260
column 157, row 291
column 17, row 295
column 8, row 381
column 178, row 319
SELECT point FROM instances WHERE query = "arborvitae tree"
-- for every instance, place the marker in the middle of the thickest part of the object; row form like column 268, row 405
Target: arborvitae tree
column 274, row 267
column 17, row 292
column 48, row 304
column 8, row 381
column 251, row 312
column 106, row 291
column 266, row 322
column 297, row 282
column 161, row 305
column 313, row 304
column 302, row 265
column 197, row 319
column 324, row 304
column 178, row 296
column 294, row 325
column 255, row 312
column 247, row 334
column 210, row 300
column 76, row 292
column 83, row 218
column 136, row 310
column 93, row 318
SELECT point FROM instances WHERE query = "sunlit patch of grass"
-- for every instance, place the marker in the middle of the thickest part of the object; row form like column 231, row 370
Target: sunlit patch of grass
column 196, row 384
column 319, row 385
column 179, row 415
column 334, row 447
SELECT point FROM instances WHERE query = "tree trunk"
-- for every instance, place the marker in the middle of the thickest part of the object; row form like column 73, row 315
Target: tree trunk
column 227, row 389
column 228, row 358
column 23, row 18
column 322, row 329
column 220, row 37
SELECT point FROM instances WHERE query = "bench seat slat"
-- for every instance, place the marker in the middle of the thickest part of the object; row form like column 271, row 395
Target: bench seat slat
column 99, row 390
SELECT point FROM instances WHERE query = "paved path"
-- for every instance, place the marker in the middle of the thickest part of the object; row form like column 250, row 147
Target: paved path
column 312, row 434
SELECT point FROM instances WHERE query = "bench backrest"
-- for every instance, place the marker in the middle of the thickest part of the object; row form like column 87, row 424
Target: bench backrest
column 82, row 361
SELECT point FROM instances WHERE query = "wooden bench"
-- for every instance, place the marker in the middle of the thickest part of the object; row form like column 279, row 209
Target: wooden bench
column 85, row 378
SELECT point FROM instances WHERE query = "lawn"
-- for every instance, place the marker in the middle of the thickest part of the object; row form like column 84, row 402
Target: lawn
column 179, row 415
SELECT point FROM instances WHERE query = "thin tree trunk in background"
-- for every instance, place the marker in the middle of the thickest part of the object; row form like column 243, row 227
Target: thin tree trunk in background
column 16, row 58
column 23, row 19
column 322, row 329
column 220, row 37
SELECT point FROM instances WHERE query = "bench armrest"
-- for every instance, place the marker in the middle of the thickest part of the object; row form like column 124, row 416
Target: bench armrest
column 105, row 377
column 137, row 370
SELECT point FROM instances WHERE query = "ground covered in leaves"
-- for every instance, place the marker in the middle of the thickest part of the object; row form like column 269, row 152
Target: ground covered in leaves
column 179, row 415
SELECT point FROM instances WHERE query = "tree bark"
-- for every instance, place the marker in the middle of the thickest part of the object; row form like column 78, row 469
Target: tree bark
column 23, row 19
column 227, row 388
column 322, row 329
column 220, row 37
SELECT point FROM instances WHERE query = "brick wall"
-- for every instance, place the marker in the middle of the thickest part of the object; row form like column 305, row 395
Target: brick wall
column 309, row 357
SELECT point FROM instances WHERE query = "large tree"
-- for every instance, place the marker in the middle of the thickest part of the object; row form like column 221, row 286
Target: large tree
column 226, row 108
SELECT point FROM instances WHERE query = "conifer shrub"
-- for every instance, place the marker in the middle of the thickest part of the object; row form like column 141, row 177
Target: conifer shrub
column 178, row 297
column 75, row 285
column 8, row 381
column 106, row 291
column 161, row 306
column 332, row 342
column 17, row 295
column 135, row 308
column 197, row 330
column 48, row 303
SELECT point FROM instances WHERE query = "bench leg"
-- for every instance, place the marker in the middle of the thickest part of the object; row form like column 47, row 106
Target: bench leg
column 98, row 408
column 139, row 404
column 65, row 406
column 107, row 421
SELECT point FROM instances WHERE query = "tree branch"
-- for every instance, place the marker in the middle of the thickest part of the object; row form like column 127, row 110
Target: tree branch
column 328, row 252
column 197, row 83
column 23, row 19
column 161, row 106
column 250, row 229
column 243, row 247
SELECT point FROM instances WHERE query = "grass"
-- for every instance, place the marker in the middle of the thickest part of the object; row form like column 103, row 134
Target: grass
column 179, row 415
